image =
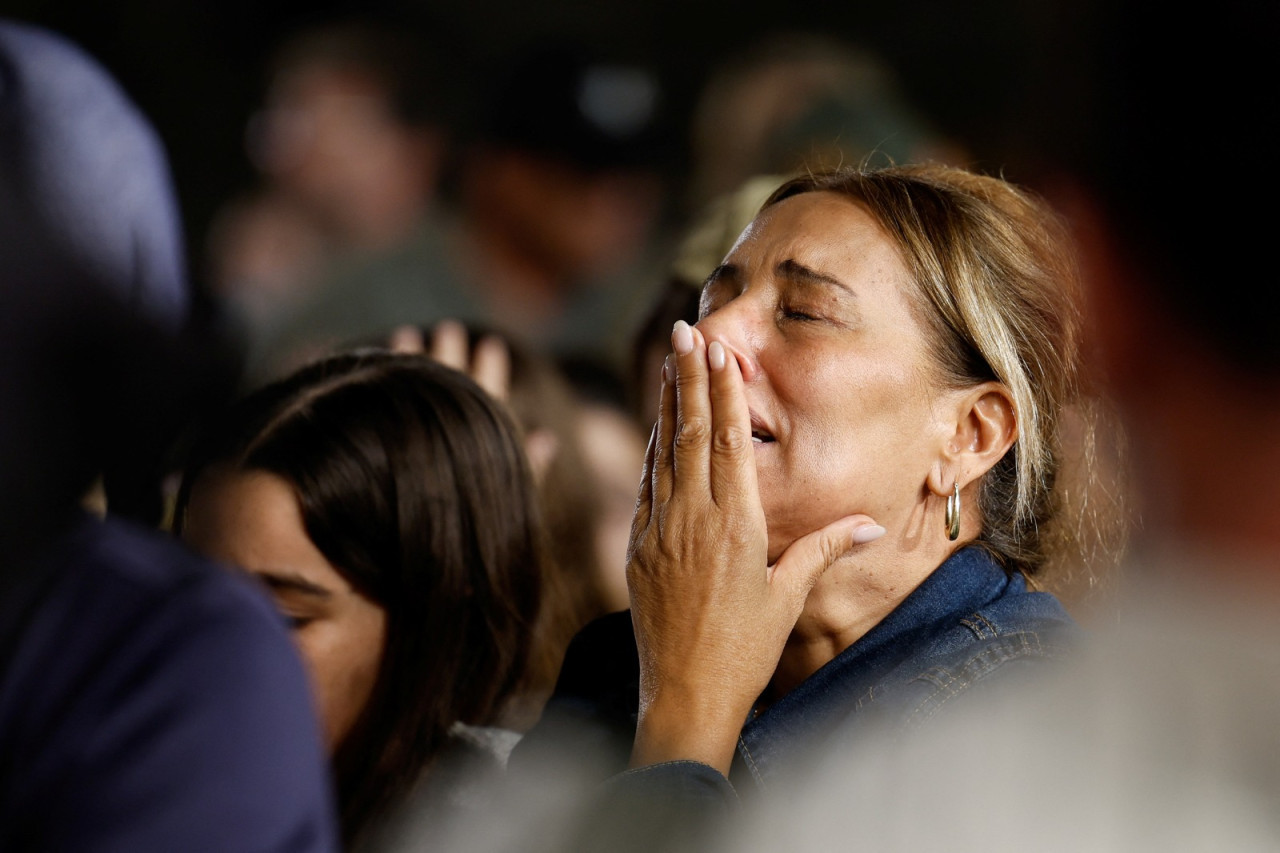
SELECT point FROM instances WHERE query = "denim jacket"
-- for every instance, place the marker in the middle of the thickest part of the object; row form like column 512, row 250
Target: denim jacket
column 970, row 625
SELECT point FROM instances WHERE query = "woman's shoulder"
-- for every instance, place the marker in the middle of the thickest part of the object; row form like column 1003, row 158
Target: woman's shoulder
column 1014, row 639
column 990, row 606
column 1019, row 611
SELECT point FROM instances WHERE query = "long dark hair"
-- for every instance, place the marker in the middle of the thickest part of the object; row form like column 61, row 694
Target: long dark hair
column 414, row 485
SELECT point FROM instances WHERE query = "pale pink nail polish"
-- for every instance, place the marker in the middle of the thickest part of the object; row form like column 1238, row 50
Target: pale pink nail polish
column 866, row 533
column 682, row 338
column 715, row 355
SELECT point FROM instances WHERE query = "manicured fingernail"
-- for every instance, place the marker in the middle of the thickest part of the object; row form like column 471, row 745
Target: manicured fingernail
column 682, row 338
column 866, row 533
column 715, row 355
column 669, row 370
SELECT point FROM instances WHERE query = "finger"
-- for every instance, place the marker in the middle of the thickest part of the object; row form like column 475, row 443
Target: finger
column 491, row 367
column 662, row 471
column 733, row 461
column 450, row 344
column 693, row 410
column 804, row 561
column 644, row 496
column 407, row 340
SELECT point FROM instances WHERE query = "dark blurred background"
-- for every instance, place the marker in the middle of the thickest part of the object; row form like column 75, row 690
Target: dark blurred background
column 1008, row 79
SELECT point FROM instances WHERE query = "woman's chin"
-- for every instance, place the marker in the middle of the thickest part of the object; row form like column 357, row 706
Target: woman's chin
column 781, row 537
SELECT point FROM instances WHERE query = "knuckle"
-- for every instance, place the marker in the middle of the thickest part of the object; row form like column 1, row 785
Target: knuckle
column 832, row 548
column 640, row 557
column 689, row 378
column 829, row 550
column 668, row 552
column 731, row 439
column 692, row 433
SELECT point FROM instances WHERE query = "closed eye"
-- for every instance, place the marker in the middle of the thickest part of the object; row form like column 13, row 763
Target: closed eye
column 801, row 314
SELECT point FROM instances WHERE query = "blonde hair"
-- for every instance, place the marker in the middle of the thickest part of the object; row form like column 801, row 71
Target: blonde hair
column 1000, row 289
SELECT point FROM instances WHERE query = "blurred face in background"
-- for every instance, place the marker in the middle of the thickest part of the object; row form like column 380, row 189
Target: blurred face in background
column 574, row 222
column 251, row 519
column 329, row 137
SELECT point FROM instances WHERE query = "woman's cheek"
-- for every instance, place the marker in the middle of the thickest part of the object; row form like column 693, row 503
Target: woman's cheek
column 342, row 670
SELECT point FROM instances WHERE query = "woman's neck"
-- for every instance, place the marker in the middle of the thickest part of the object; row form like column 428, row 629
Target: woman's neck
column 851, row 598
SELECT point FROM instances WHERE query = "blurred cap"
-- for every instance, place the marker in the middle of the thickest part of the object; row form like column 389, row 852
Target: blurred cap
column 563, row 102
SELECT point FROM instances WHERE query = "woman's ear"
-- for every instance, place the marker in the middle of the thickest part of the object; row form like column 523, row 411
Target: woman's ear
column 986, row 426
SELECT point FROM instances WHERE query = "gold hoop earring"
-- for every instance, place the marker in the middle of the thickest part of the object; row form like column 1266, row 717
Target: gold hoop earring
column 953, row 512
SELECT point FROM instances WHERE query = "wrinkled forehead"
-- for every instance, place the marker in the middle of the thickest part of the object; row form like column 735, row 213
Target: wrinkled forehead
column 828, row 223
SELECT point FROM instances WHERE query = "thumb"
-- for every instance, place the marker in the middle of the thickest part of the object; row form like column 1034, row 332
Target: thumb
column 805, row 560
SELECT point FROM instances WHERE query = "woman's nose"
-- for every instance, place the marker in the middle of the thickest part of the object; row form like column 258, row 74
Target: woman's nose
column 733, row 326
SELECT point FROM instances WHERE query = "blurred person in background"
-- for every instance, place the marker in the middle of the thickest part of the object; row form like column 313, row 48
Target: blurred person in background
column 1185, row 334
column 561, row 194
column 797, row 100
column 349, row 143
column 613, row 446
column 386, row 501
column 149, row 700
column 575, row 449
column 551, row 210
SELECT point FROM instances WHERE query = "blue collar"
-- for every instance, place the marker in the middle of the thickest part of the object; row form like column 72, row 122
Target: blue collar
column 965, row 583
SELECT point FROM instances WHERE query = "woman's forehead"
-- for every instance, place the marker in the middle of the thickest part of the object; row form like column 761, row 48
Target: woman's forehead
column 818, row 227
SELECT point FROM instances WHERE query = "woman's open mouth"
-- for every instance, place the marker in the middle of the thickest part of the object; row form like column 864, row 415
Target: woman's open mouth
column 760, row 434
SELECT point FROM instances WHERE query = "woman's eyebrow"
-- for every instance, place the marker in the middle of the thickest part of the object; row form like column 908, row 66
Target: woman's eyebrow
column 291, row 582
column 722, row 271
column 796, row 271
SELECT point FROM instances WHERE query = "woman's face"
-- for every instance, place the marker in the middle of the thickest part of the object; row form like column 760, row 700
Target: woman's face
column 251, row 519
column 817, row 304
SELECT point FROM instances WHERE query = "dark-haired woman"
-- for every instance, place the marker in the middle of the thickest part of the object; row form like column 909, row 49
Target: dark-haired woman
column 386, row 502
